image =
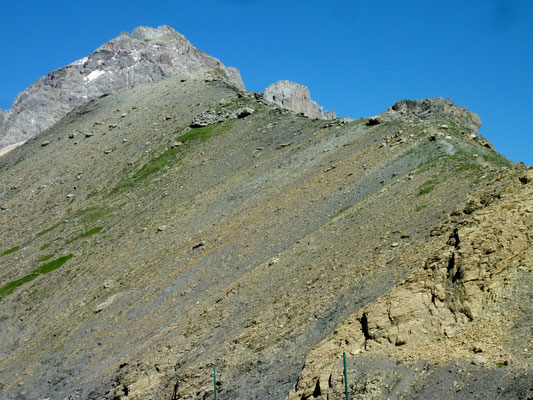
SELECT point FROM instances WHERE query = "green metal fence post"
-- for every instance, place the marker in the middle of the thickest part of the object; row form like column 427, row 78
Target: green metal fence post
column 215, row 381
column 345, row 377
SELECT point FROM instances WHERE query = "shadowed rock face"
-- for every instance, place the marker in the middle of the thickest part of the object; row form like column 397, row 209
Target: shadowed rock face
column 296, row 97
column 145, row 55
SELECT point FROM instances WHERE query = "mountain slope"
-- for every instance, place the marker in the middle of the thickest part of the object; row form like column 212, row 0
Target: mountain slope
column 138, row 252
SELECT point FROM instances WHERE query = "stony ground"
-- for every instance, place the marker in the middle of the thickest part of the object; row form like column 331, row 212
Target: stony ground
column 139, row 253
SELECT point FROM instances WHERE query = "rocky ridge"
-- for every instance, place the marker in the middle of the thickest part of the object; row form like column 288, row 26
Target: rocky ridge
column 145, row 55
column 417, row 110
column 295, row 97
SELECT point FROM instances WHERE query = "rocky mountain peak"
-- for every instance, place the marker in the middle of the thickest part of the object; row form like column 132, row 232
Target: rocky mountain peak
column 296, row 97
column 146, row 32
column 145, row 55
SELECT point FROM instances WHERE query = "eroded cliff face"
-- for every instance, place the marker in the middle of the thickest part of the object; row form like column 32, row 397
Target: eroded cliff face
column 295, row 97
column 465, row 307
column 145, row 55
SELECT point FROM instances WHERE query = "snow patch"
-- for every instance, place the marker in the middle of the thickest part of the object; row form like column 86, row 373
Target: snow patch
column 80, row 62
column 94, row 75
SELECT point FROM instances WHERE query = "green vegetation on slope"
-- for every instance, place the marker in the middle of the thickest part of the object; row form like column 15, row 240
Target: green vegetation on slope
column 90, row 232
column 11, row 250
column 463, row 160
column 47, row 245
column 50, row 229
column 92, row 214
column 43, row 269
column 46, row 258
column 427, row 187
column 172, row 155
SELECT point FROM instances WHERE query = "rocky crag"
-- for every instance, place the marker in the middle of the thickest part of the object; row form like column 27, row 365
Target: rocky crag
column 145, row 55
column 295, row 97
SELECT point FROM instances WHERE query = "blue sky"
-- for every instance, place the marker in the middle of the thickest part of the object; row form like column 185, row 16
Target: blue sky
column 357, row 57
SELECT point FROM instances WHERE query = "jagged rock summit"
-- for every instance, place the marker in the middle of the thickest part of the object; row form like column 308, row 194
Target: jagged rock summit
column 145, row 55
column 296, row 97
column 424, row 109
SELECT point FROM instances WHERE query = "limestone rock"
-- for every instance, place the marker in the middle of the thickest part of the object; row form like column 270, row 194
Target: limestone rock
column 211, row 117
column 145, row 55
column 478, row 360
column 244, row 112
column 105, row 304
column 296, row 97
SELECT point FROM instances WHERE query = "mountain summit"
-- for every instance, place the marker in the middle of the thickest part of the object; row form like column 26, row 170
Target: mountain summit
column 145, row 55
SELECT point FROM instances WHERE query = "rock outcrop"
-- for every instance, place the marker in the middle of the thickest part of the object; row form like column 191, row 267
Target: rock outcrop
column 436, row 107
column 145, row 55
column 463, row 298
column 296, row 97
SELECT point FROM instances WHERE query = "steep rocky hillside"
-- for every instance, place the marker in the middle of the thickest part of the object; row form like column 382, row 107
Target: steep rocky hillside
column 166, row 229
column 459, row 325
column 145, row 55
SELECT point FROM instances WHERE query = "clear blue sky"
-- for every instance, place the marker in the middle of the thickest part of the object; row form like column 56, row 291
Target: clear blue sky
column 357, row 57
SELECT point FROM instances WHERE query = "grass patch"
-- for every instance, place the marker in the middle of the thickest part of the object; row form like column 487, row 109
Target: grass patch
column 47, row 245
column 11, row 250
column 50, row 229
column 43, row 269
column 464, row 161
column 501, row 364
column 46, row 258
column 85, row 234
column 92, row 214
column 91, row 232
column 171, row 156
column 420, row 208
column 201, row 134
column 427, row 187
column 52, row 265
column 344, row 209
column 461, row 160
column 498, row 160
